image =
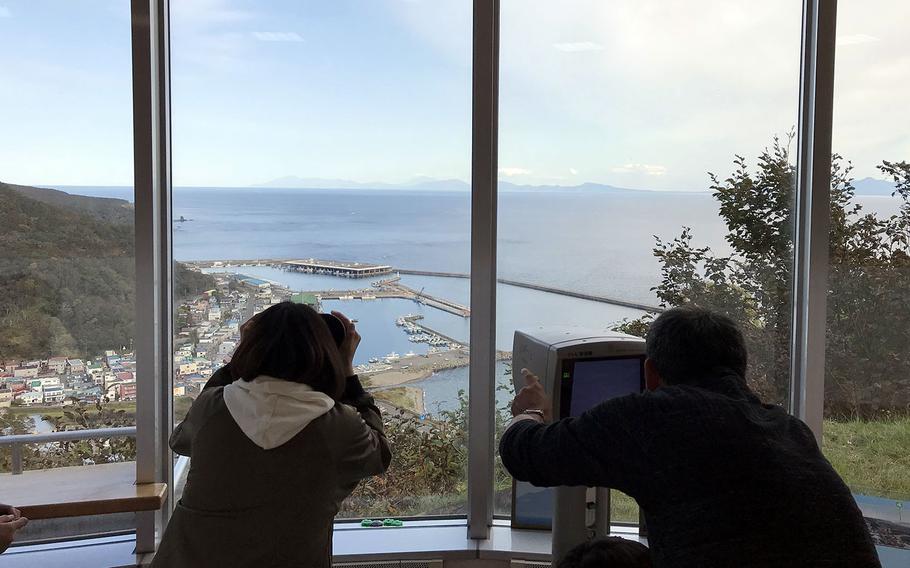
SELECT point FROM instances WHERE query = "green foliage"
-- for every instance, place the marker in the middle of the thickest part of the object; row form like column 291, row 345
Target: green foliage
column 868, row 364
column 428, row 470
column 67, row 277
column 77, row 452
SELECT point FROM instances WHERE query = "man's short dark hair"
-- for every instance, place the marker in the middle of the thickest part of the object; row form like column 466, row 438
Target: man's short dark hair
column 608, row 552
column 688, row 344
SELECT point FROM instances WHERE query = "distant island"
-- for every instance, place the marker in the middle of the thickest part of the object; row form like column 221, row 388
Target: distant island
column 864, row 187
column 431, row 184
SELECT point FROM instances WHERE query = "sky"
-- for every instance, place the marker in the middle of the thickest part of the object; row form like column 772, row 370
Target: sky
column 632, row 93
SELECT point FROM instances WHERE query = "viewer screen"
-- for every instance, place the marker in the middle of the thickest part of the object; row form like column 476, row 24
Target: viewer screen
column 595, row 381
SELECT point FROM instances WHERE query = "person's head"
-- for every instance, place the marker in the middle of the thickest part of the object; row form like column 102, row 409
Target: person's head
column 688, row 344
column 608, row 552
column 292, row 342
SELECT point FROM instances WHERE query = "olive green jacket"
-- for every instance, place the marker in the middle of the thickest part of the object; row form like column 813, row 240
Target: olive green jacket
column 247, row 506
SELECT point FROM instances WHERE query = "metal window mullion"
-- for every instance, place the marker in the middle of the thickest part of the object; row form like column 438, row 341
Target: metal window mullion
column 146, row 254
column 153, row 252
column 165, row 383
column 811, row 238
column 481, row 393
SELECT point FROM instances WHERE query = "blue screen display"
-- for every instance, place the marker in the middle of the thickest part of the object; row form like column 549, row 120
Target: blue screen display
column 596, row 381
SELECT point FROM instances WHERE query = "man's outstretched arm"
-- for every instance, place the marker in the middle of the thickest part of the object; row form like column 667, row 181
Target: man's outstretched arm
column 589, row 450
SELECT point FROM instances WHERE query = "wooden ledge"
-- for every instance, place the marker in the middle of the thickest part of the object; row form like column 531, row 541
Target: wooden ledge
column 77, row 491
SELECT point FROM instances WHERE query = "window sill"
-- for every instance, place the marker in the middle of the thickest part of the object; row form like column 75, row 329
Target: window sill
column 446, row 540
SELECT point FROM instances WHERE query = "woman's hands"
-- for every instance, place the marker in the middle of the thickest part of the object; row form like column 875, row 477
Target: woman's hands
column 349, row 346
column 11, row 520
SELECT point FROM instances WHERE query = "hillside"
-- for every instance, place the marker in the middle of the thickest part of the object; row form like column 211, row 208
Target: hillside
column 67, row 274
column 104, row 209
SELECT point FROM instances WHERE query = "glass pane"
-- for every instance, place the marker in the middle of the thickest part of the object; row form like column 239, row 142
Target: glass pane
column 867, row 393
column 67, row 283
column 636, row 174
column 308, row 138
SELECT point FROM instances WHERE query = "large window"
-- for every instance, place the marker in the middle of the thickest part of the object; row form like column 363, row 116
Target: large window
column 320, row 155
column 67, row 278
column 867, row 378
column 646, row 157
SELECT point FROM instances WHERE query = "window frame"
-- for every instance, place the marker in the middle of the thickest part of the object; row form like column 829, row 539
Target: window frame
column 154, row 258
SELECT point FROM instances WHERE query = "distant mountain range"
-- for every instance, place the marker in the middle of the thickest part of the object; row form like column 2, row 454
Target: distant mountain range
column 872, row 186
column 865, row 186
column 427, row 184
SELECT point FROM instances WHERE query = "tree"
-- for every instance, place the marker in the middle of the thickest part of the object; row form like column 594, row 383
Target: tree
column 868, row 367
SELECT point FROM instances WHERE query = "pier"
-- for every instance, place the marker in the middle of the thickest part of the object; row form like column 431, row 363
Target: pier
column 337, row 268
column 541, row 288
column 415, row 322
column 392, row 288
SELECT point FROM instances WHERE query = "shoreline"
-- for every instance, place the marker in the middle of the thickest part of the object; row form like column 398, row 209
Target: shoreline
column 399, row 376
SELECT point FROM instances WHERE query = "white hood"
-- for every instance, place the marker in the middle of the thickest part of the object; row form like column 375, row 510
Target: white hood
column 271, row 411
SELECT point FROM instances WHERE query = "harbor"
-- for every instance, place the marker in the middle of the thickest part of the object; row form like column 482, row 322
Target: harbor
column 392, row 289
column 415, row 327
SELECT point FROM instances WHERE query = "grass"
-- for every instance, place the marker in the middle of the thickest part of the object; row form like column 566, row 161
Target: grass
column 873, row 457
column 408, row 398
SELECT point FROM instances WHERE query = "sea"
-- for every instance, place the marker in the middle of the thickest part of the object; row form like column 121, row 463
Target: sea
column 581, row 240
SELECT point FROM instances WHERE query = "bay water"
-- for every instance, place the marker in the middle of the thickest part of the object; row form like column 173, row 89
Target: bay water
column 586, row 241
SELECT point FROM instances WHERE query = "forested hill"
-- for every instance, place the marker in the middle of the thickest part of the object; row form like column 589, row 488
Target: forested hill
column 106, row 209
column 67, row 274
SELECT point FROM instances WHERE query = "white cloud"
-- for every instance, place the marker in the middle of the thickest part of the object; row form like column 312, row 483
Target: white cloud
column 573, row 171
column 856, row 39
column 5, row 13
column 509, row 172
column 278, row 36
column 647, row 169
column 574, row 47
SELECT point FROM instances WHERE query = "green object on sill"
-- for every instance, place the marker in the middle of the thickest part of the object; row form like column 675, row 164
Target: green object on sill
column 383, row 523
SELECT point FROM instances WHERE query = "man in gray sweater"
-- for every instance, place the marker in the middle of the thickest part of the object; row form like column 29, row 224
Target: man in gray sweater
column 722, row 479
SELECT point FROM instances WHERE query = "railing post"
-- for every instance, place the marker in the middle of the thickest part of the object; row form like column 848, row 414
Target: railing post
column 16, row 459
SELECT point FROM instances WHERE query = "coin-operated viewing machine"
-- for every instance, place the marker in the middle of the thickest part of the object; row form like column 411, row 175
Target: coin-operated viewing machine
column 579, row 369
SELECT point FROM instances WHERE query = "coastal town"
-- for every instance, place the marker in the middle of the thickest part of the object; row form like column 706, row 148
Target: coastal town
column 207, row 330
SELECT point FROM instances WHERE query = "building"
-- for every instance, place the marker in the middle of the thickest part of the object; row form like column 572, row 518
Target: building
column 54, row 395
column 6, row 397
column 226, row 348
column 128, row 390
column 187, row 368
column 26, row 372
column 75, row 366
column 57, row 365
column 96, row 372
column 44, row 382
column 30, row 397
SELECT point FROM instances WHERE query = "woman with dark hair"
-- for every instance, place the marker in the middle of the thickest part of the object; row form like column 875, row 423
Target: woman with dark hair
column 276, row 446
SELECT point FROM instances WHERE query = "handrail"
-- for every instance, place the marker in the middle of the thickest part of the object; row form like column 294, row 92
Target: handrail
column 18, row 440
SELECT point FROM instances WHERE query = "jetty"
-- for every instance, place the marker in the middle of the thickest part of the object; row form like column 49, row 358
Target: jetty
column 337, row 268
column 542, row 288
column 392, row 287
